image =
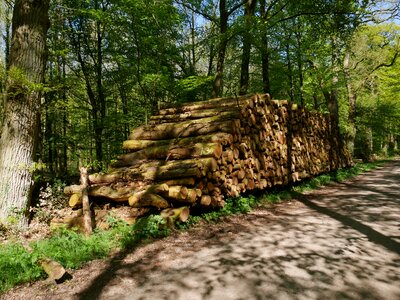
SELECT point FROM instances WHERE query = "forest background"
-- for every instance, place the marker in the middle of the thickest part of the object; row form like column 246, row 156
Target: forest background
column 111, row 64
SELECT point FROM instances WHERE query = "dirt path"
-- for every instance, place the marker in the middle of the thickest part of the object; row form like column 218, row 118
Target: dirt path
column 341, row 242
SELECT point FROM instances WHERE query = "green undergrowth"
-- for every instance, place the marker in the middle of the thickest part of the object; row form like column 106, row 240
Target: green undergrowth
column 19, row 264
column 72, row 250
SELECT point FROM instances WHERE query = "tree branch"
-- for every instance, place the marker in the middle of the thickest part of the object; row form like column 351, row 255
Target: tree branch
column 196, row 10
column 272, row 5
column 387, row 65
column 309, row 14
column 232, row 10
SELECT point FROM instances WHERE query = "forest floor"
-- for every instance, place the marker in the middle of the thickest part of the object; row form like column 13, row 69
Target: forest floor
column 339, row 242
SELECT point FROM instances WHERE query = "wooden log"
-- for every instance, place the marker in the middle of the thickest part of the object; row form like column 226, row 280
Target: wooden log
column 193, row 195
column 75, row 200
column 118, row 192
column 178, row 192
column 161, row 170
column 53, row 269
column 153, row 200
column 171, row 152
column 144, row 198
column 134, row 198
column 217, row 201
column 181, row 181
column 218, row 137
column 73, row 189
column 205, row 200
column 173, row 214
column 180, row 130
column 183, row 194
column 220, row 112
column 87, row 217
column 158, row 188
column 208, row 104
column 101, row 178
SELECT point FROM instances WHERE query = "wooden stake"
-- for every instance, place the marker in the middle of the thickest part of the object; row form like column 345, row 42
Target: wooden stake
column 87, row 218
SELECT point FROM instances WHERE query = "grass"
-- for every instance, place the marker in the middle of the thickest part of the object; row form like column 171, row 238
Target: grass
column 72, row 250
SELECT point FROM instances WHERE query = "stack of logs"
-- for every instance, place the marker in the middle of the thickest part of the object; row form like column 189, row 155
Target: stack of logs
column 197, row 154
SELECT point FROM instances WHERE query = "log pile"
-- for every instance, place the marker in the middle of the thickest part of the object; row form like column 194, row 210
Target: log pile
column 197, row 154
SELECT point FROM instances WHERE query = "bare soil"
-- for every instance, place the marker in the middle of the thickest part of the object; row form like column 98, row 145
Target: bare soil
column 339, row 242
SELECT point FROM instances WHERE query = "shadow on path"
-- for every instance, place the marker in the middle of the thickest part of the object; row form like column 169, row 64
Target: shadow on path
column 373, row 235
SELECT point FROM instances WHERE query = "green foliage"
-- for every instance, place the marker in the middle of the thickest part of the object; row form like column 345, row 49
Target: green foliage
column 21, row 83
column 194, row 88
column 153, row 226
column 374, row 80
column 238, row 205
column 72, row 249
column 17, row 265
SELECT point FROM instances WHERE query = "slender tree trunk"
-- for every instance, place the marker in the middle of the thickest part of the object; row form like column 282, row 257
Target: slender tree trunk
column 351, row 97
column 300, row 64
column 124, row 102
column 64, row 167
column 315, row 101
column 333, row 104
column 218, row 84
column 290, row 73
column 265, row 50
column 21, row 122
column 193, row 45
column 101, row 99
column 210, row 60
column 48, row 133
column 244, row 73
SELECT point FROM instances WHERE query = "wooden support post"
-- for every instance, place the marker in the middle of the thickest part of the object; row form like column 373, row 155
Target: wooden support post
column 87, row 218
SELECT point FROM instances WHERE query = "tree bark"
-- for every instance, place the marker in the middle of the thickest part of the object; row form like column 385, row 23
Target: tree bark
column 244, row 73
column 21, row 117
column 351, row 96
column 290, row 71
column 264, row 50
column 300, row 63
column 7, row 37
column 100, row 92
column 87, row 216
column 218, row 85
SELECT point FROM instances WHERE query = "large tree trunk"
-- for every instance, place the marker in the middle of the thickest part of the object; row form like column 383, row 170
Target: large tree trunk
column 20, row 128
